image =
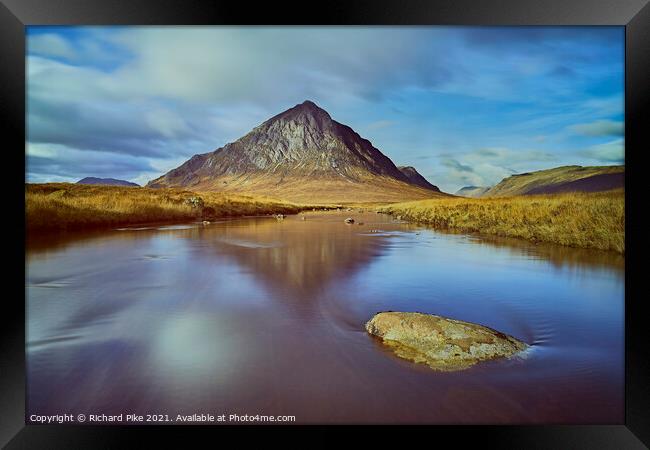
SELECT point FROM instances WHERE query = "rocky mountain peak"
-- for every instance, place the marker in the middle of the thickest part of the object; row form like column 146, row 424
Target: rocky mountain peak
column 309, row 105
column 309, row 108
column 306, row 115
column 302, row 143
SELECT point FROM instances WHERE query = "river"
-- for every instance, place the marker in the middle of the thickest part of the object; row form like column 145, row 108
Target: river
column 265, row 316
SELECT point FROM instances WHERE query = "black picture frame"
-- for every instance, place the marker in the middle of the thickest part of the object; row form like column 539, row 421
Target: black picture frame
column 634, row 15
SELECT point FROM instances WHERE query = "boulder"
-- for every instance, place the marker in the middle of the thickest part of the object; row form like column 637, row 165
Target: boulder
column 194, row 202
column 441, row 343
column 349, row 220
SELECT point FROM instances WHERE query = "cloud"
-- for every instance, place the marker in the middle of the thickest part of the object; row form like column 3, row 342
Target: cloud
column 458, row 174
column 126, row 129
column 153, row 96
column 605, row 105
column 453, row 164
column 487, row 166
column 599, row 128
column 187, row 90
column 166, row 122
column 61, row 163
column 540, row 38
column 266, row 65
column 608, row 152
column 503, row 156
column 50, row 45
column 272, row 64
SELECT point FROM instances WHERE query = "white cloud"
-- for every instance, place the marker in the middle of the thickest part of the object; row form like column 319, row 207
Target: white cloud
column 599, row 128
column 64, row 163
column 41, row 150
column 605, row 106
column 608, row 152
column 168, row 123
column 267, row 64
column 50, row 45
column 165, row 93
column 487, row 166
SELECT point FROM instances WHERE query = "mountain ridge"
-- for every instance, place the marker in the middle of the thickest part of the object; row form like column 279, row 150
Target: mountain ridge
column 106, row 181
column 416, row 178
column 560, row 179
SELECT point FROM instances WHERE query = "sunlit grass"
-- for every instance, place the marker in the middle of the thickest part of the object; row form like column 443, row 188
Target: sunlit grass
column 68, row 206
column 589, row 220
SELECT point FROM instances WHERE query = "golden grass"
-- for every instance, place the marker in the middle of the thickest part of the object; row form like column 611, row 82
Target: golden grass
column 588, row 220
column 300, row 189
column 75, row 206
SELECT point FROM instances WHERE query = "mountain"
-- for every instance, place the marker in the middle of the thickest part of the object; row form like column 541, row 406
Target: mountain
column 472, row 191
column 561, row 179
column 108, row 181
column 415, row 178
column 302, row 155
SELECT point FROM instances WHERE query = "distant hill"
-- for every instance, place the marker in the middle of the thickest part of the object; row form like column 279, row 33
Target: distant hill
column 472, row 191
column 561, row 179
column 107, row 181
column 415, row 178
column 301, row 155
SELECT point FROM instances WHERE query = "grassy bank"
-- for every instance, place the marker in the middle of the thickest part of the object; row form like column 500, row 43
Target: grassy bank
column 74, row 206
column 595, row 220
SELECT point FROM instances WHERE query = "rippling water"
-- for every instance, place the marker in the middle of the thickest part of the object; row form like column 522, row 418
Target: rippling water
column 258, row 316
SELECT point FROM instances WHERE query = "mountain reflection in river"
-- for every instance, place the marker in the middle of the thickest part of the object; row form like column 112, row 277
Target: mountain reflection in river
column 259, row 316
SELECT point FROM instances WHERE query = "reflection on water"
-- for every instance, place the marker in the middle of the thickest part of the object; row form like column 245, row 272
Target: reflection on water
column 259, row 316
column 579, row 259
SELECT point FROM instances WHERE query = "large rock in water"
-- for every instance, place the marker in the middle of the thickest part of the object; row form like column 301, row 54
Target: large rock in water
column 441, row 343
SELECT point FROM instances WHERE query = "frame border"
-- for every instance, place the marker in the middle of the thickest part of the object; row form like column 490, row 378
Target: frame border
column 633, row 14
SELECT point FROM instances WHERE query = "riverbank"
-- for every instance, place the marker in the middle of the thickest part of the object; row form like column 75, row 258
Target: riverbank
column 587, row 220
column 61, row 206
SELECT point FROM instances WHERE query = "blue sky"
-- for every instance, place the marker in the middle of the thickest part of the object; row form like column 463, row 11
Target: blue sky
column 464, row 105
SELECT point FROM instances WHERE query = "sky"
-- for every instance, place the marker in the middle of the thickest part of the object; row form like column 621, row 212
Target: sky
column 463, row 105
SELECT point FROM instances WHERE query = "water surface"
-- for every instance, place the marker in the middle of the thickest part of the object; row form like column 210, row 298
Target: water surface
column 259, row 316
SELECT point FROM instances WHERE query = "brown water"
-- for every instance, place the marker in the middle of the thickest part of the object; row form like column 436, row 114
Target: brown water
column 258, row 316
